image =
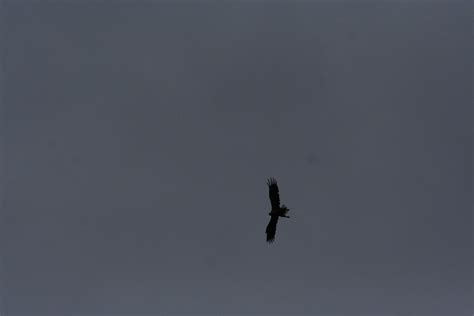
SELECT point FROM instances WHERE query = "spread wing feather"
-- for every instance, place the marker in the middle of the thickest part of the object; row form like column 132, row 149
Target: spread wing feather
column 273, row 193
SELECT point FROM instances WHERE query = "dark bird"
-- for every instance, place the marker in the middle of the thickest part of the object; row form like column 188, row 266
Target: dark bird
column 277, row 210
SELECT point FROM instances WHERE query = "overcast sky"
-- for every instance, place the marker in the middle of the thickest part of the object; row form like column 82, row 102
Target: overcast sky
column 137, row 138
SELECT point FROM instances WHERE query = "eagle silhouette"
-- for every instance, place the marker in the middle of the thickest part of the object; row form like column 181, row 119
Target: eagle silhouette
column 277, row 210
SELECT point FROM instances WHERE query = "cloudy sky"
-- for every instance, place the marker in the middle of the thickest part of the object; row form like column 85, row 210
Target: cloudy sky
column 137, row 136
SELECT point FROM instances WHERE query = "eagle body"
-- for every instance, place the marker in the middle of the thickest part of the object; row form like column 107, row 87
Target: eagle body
column 276, row 210
column 279, row 212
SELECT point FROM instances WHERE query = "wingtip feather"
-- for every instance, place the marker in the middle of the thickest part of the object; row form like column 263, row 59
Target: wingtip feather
column 271, row 181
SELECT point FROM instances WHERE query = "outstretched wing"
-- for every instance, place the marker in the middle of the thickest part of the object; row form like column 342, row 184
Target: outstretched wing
column 271, row 229
column 273, row 193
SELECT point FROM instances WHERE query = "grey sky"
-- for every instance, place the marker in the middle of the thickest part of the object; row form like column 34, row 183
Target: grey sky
column 137, row 138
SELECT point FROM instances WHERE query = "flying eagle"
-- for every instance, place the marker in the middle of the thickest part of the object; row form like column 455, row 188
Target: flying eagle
column 277, row 210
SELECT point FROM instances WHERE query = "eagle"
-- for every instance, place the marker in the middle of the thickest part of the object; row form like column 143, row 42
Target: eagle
column 277, row 210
